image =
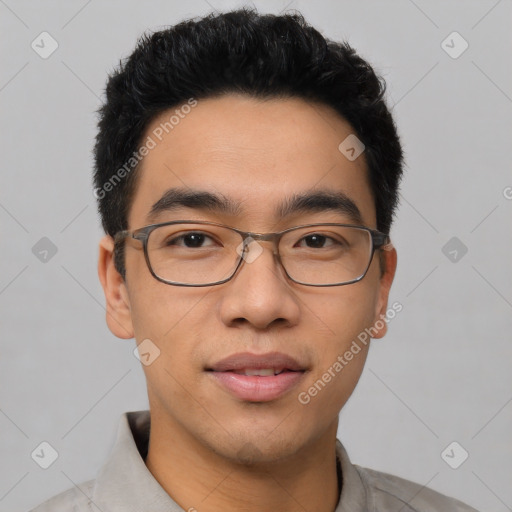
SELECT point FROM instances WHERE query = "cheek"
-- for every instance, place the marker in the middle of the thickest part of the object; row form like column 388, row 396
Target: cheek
column 342, row 315
column 157, row 309
column 173, row 318
column 168, row 320
column 336, row 325
column 343, row 348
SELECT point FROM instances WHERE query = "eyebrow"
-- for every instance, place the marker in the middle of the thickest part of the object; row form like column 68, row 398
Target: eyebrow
column 307, row 202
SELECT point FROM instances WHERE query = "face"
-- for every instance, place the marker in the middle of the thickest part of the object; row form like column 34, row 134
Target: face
column 257, row 154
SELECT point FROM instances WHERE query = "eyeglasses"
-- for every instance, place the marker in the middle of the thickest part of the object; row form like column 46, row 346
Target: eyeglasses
column 201, row 253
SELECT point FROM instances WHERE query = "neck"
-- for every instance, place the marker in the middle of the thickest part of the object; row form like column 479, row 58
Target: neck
column 199, row 479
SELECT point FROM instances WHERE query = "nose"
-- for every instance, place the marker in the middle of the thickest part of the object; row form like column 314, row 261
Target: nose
column 260, row 293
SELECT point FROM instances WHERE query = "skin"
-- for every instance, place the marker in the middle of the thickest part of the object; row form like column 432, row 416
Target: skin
column 208, row 449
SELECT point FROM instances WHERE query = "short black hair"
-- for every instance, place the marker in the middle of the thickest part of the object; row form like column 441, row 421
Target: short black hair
column 241, row 51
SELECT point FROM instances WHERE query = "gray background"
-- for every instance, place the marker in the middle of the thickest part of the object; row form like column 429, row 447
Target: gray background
column 442, row 373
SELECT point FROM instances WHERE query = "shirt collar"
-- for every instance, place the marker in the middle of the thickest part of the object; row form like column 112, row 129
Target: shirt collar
column 124, row 484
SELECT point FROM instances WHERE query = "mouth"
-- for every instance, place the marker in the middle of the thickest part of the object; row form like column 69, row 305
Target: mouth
column 257, row 378
column 263, row 372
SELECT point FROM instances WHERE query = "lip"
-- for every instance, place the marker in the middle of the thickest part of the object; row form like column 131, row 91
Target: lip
column 255, row 388
column 245, row 360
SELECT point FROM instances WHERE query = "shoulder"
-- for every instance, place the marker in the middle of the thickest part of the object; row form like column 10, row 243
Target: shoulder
column 75, row 499
column 389, row 491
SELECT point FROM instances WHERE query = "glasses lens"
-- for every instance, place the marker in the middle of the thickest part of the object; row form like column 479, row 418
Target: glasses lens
column 326, row 255
column 193, row 253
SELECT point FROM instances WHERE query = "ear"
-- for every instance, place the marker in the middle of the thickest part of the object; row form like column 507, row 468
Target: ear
column 119, row 319
column 388, row 261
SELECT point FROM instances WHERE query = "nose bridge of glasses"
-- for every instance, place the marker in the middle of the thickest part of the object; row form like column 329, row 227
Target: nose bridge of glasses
column 262, row 237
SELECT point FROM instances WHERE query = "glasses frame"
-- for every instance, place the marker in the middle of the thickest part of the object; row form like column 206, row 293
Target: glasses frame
column 379, row 241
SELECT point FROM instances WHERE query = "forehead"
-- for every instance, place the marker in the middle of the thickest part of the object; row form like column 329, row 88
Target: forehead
column 256, row 153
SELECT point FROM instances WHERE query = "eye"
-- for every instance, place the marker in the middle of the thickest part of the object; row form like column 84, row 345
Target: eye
column 190, row 240
column 318, row 241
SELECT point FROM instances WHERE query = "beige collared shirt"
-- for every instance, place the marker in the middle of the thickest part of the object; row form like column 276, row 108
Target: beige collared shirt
column 124, row 484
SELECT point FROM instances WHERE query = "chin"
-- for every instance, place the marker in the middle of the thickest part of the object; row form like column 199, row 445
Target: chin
column 248, row 450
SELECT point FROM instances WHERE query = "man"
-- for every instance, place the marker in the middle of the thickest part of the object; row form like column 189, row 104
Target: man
column 247, row 174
